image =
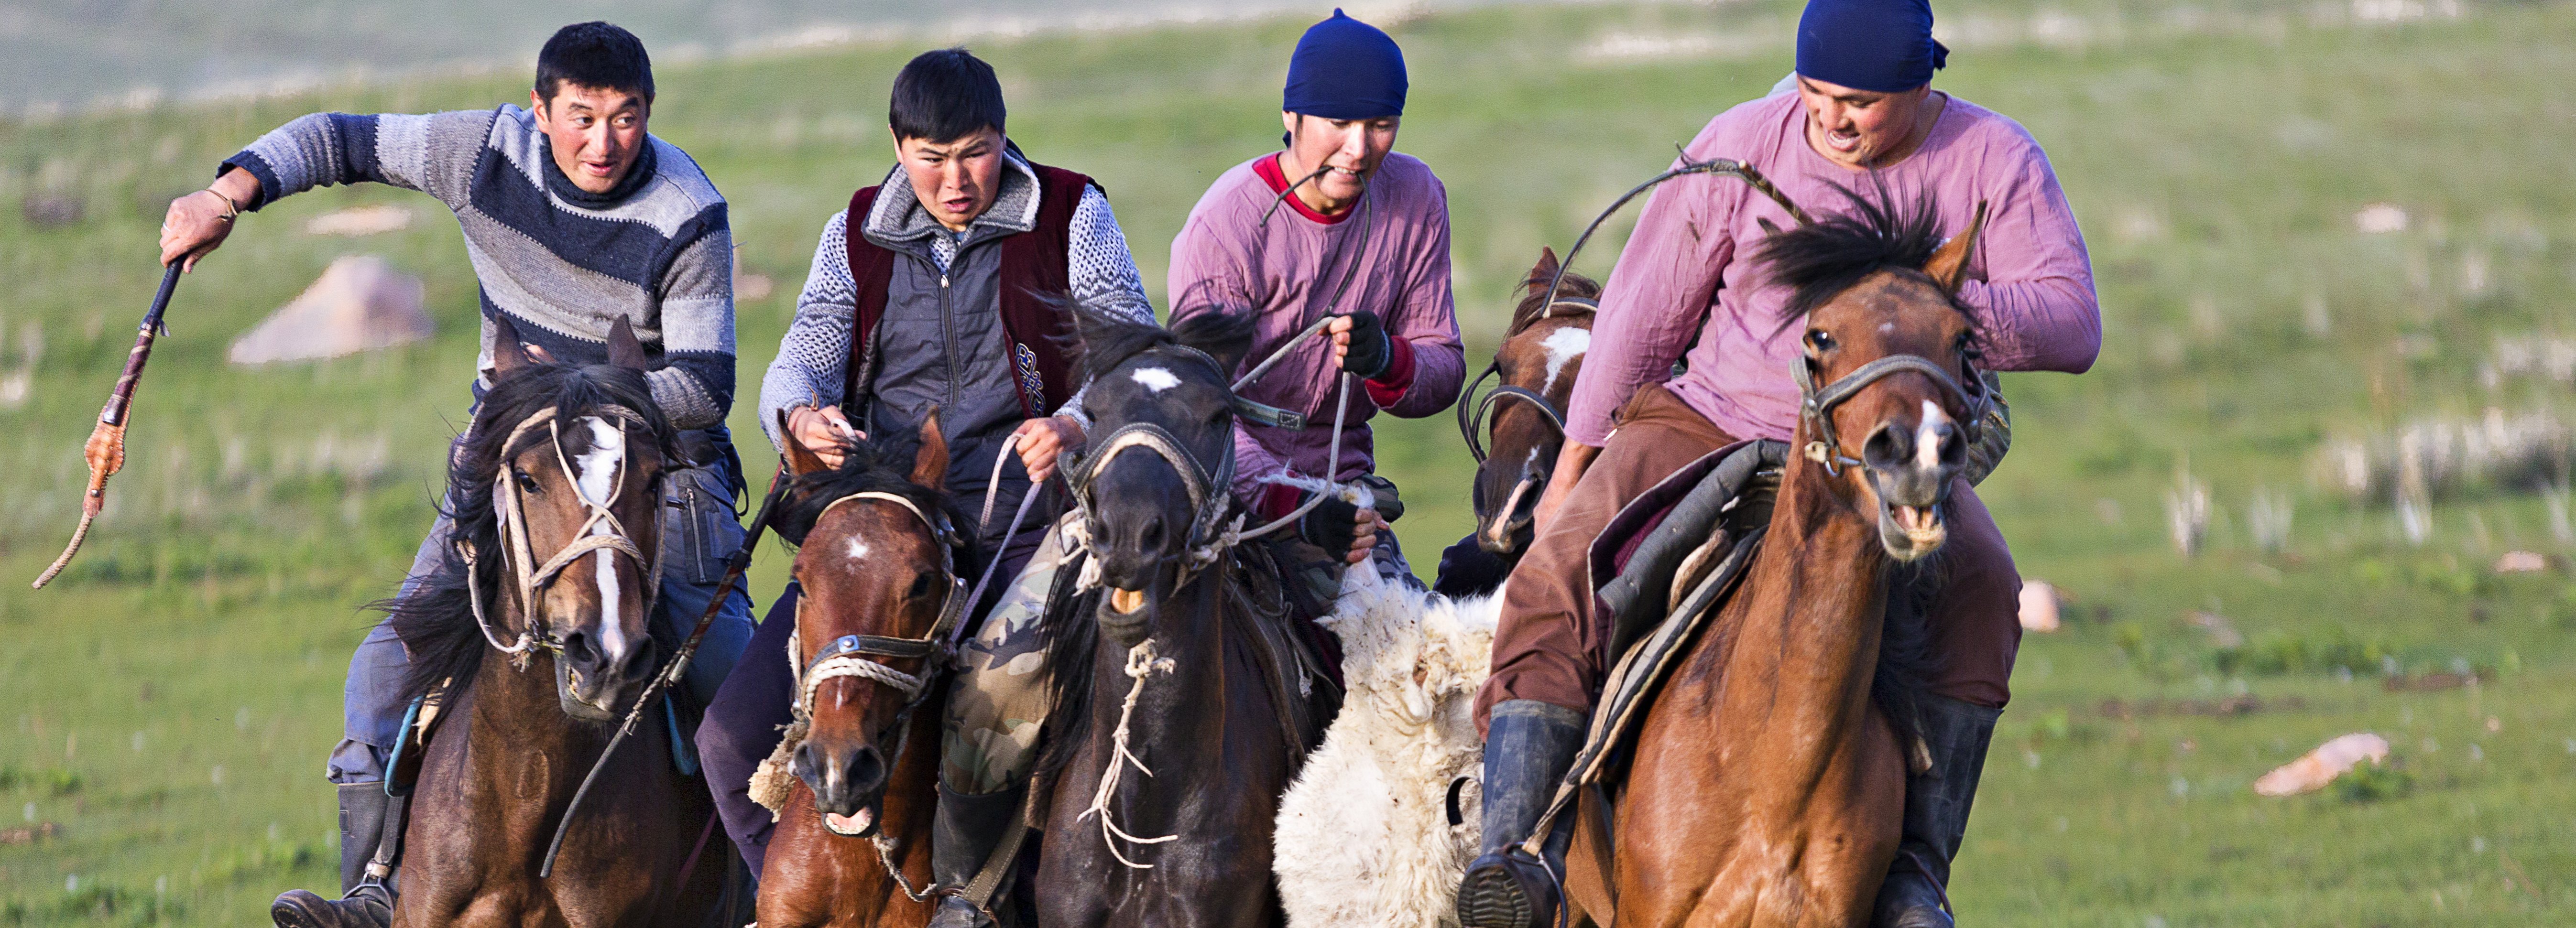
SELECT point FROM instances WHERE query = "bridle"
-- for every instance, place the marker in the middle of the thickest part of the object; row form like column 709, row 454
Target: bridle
column 1816, row 404
column 1210, row 533
column 517, row 551
column 1472, row 416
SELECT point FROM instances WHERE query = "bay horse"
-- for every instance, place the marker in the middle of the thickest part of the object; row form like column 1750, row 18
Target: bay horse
column 1768, row 781
column 877, row 569
column 1537, row 362
column 533, row 634
column 1167, row 750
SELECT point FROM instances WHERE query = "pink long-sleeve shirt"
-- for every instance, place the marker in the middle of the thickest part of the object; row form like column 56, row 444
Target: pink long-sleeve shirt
column 1286, row 270
column 2029, row 283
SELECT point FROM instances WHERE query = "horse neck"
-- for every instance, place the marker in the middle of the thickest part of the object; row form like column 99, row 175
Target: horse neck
column 547, row 752
column 1183, row 715
column 1805, row 641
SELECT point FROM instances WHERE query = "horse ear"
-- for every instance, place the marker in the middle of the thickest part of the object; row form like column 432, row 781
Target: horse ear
column 508, row 354
column 930, row 464
column 1767, row 227
column 1949, row 264
column 1545, row 269
column 623, row 348
column 800, row 460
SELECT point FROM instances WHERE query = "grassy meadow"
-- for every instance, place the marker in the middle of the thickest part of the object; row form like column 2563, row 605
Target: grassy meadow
column 2309, row 221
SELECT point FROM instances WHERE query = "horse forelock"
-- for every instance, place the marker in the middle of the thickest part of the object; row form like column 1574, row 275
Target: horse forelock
column 1535, row 305
column 435, row 619
column 1821, row 260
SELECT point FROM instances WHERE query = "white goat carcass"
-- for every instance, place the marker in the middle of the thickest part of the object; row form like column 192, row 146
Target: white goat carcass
column 1364, row 837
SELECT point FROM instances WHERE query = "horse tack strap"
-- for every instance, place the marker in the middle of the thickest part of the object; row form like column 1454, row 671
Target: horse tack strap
column 1816, row 404
column 1472, row 416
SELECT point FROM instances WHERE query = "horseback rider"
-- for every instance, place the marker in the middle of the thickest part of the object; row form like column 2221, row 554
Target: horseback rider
column 1862, row 112
column 931, row 293
column 1337, row 224
column 574, row 218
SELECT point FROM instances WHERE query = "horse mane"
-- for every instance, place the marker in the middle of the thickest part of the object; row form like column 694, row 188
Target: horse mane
column 435, row 617
column 1534, row 303
column 876, row 465
column 1821, row 259
column 1109, row 341
column 1907, row 661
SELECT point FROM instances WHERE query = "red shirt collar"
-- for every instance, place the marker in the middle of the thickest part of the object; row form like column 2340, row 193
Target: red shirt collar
column 1268, row 168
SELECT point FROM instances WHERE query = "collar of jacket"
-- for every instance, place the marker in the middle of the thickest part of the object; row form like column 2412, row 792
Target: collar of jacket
column 898, row 223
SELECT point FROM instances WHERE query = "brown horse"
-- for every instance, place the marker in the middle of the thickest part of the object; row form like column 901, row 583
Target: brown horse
column 1768, row 785
column 534, row 630
column 1537, row 362
column 878, row 575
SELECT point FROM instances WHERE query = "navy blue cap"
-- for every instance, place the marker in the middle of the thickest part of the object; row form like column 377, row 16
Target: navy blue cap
column 1345, row 69
column 1884, row 46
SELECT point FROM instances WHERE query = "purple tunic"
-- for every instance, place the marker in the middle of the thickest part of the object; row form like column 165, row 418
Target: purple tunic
column 2030, row 282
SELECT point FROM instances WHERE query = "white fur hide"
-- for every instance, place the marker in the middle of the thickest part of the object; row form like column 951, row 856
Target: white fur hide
column 1364, row 837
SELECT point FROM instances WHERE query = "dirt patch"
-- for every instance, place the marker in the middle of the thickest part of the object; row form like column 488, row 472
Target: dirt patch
column 2233, row 705
column 30, row 834
column 2436, row 682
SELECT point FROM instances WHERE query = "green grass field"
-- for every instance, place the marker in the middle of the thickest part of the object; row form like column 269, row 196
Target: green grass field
column 165, row 708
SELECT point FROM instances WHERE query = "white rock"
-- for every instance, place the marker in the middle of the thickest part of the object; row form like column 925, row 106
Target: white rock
column 359, row 304
column 2521, row 562
column 361, row 220
column 2313, row 770
column 2380, row 219
column 2038, row 606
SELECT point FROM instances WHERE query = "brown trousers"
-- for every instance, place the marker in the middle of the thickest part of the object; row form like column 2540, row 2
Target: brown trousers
column 1550, row 646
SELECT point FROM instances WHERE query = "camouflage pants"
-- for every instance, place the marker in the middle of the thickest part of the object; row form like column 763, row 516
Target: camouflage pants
column 998, row 702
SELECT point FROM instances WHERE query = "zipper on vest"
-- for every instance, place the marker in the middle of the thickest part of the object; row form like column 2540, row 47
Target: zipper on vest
column 948, row 336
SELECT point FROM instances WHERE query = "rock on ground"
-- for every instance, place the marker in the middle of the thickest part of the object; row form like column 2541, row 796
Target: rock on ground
column 360, row 303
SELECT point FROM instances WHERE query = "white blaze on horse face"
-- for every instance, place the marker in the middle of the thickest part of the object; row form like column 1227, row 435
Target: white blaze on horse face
column 1563, row 346
column 599, row 469
column 1927, row 436
column 1155, row 379
column 858, row 549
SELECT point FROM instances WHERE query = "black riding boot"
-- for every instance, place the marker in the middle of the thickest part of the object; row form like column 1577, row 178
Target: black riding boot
column 1916, row 893
column 964, row 834
column 367, row 856
column 1528, row 746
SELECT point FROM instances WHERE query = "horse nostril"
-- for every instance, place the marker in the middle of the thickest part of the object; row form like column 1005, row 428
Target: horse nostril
column 1887, row 447
column 1150, row 536
column 802, row 763
column 1954, row 446
column 580, row 650
column 866, row 770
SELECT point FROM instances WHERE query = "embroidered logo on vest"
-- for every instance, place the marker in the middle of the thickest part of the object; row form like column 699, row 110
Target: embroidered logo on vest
column 1031, row 385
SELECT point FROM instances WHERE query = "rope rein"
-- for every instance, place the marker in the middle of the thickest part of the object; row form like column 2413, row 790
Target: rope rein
column 1142, row 662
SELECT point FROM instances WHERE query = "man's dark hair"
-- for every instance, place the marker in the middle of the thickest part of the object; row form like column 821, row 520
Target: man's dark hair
column 944, row 96
column 594, row 54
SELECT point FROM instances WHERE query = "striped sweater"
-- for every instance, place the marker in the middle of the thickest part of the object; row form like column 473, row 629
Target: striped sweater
column 562, row 262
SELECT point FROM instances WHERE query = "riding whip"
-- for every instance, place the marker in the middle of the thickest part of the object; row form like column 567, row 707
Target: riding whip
column 1726, row 166
column 105, row 451
column 734, row 569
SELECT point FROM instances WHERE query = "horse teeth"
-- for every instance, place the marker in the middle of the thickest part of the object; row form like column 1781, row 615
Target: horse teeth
column 1126, row 601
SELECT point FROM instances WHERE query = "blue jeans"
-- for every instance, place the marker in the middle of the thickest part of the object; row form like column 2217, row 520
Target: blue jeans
column 699, row 531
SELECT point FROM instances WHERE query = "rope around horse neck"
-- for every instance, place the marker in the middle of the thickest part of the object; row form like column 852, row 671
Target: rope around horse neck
column 1141, row 663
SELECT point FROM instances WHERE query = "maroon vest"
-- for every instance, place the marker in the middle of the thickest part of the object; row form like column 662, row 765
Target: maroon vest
column 1042, row 337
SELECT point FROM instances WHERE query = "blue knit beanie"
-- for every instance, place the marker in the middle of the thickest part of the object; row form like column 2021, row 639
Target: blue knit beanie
column 1345, row 69
column 1884, row 46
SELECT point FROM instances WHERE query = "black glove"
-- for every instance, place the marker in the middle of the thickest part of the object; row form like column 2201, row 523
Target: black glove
column 1370, row 350
column 1330, row 525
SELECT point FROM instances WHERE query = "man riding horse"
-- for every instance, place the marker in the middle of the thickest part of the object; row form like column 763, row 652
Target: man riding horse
column 575, row 218
column 1364, row 239
column 933, row 293
column 1863, row 113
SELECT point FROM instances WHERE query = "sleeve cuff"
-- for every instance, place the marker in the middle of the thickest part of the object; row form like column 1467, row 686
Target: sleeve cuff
column 1386, row 388
column 269, row 189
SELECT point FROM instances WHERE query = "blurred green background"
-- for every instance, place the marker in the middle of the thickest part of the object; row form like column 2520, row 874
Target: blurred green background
column 2324, row 233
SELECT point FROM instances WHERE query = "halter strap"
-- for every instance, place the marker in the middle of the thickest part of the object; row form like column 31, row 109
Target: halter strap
column 846, row 656
column 519, row 551
column 1816, row 404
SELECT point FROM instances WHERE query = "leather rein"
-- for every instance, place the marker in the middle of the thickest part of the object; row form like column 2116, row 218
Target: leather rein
column 1472, row 416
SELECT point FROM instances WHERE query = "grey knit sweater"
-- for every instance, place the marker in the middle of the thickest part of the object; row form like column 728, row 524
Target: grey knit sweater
column 562, row 262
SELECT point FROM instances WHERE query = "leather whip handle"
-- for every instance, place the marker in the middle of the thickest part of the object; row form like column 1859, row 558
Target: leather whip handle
column 105, row 451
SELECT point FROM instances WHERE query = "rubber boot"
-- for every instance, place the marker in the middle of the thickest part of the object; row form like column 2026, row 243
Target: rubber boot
column 963, row 835
column 1528, row 746
column 367, row 856
column 1916, row 894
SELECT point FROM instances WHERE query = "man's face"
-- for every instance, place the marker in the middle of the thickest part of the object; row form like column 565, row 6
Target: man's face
column 594, row 133
column 1855, row 128
column 1351, row 147
column 955, row 180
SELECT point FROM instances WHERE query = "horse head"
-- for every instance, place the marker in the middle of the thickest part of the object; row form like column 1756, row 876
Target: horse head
column 558, row 489
column 1541, row 354
column 1889, row 366
column 876, row 560
column 1162, row 448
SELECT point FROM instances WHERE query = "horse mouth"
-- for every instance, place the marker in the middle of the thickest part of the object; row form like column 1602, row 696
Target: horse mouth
column 1127, row 616
column 1911, row 532
column 859, row 824
column 1509, row 531
column 1126, row 602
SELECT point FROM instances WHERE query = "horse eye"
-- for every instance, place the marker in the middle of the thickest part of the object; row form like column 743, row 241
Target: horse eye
column 922, row 587
column 1968, row 347
column 527, row 484
column 1820, row 340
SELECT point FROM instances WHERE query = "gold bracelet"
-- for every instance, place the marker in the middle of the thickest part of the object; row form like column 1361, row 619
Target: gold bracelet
column 231, row 210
